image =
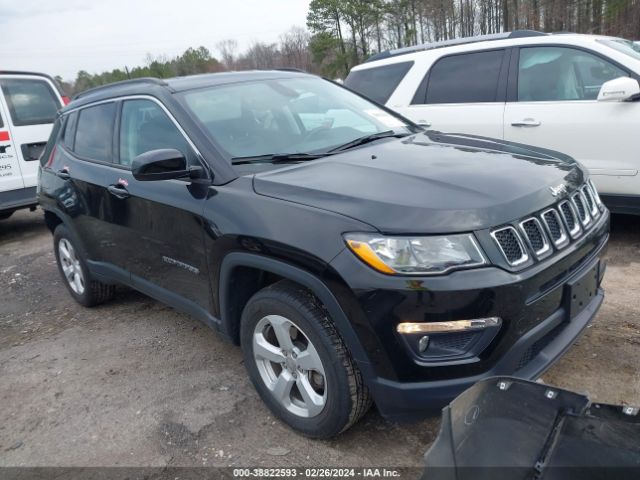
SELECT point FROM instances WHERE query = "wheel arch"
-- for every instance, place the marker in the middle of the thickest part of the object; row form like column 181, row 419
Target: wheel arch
column 230, row 314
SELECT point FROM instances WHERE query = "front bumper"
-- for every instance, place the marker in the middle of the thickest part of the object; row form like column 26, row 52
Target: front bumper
column 537, row 329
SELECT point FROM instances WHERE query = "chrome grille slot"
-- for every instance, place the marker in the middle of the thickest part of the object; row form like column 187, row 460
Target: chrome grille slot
column 555, row 228
column 570, row 219
column 535, row 237
column 511, row 245
column 596, row 196
column 591, row 201
column 583, row 214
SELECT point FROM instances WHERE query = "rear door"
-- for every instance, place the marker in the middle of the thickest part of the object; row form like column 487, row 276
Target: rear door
column 463, row 93
column 553, row 104
column 30, row 103
column 10, row 174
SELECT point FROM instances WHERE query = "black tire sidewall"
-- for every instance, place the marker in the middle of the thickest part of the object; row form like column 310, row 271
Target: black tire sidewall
column 61, row 232
column 335, row 415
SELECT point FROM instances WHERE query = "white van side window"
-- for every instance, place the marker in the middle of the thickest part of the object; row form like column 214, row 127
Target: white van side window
column 30, row 102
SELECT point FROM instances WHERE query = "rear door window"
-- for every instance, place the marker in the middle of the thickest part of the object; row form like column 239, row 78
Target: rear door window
column 467, row 78
column 30, row 101
column 378, row 83
column 94, row 132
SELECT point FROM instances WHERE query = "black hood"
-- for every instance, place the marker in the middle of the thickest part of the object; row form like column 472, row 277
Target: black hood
column 428, row 183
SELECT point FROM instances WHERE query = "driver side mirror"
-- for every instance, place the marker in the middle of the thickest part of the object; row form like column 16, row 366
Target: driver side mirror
column 164, row 164
column 619, row 90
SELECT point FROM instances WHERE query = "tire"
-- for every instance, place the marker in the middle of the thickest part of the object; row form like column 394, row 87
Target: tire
column 75, row 274
column 316, row 360
column 5, row 215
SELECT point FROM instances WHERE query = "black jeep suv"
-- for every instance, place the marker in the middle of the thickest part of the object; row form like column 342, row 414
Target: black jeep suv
column 354, row 257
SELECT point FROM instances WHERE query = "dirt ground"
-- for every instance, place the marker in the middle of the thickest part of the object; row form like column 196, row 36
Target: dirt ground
column 134, row 383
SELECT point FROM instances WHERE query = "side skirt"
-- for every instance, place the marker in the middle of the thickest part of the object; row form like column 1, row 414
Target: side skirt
column 111, row 274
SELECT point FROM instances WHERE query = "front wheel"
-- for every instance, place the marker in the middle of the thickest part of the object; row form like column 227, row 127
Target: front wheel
column 298, row 362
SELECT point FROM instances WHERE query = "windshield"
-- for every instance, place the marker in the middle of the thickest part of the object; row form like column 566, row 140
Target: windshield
column 285, row 116
column 625, row 46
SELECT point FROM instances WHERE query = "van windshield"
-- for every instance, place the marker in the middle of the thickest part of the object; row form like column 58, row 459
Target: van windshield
column 286, row 116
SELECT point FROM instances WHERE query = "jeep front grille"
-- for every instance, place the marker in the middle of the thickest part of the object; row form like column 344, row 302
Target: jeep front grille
column 540, row 234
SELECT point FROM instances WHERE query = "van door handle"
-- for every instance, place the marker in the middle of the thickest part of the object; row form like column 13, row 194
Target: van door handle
column 118, row 191
column 527, row 122
column 63, row 174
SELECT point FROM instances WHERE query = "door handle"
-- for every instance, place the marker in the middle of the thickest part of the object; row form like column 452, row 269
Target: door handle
column 63, row 174
column 527, row 122
column 118, row 191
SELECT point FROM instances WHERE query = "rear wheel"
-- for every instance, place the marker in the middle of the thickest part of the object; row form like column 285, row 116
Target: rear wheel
column 298, row 362
column 73, row 268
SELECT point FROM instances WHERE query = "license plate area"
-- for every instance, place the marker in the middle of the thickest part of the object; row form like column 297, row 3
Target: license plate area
column 580, row 291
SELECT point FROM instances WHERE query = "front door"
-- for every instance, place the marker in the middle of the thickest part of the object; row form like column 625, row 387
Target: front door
column 556, row 108
column 160, row 221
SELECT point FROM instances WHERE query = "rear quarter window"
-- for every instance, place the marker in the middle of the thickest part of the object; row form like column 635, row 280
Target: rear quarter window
column 30, row 101
column 378, row 83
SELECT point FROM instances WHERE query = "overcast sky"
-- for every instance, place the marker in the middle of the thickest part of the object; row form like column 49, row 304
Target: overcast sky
column 60, row 37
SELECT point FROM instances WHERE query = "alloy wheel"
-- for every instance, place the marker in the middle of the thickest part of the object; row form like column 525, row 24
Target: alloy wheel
column 289, row 365
column 71, row 266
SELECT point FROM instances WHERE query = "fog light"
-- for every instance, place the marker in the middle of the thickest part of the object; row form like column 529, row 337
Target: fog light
column 409, row 328
column 423, row 343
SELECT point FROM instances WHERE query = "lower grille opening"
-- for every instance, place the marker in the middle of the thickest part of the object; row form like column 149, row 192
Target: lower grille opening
column 539, row 345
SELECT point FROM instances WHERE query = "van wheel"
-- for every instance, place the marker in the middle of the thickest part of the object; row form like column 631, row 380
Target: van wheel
column 73, row 268
column 298, row 362
column 5, row 215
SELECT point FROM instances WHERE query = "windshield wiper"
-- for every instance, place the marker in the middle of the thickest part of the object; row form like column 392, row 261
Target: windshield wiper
column 368, row 139
column 277, row 158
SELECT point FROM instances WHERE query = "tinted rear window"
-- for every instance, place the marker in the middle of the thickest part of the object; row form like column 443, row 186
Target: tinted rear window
column 378, row 83
column 468, row 78
column 30, row 101
column 94, row 133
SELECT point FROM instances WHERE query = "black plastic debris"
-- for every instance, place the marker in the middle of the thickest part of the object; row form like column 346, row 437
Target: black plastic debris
column 508, row 428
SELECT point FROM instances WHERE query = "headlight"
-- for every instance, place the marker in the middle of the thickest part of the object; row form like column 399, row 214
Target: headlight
column 416, row 255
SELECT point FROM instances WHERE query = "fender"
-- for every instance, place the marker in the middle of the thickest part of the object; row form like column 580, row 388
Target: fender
column 304, row 278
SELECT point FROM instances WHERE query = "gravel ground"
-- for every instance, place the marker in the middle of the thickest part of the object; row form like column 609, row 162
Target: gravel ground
column 134, row 383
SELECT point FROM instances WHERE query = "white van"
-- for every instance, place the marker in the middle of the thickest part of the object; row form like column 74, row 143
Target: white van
column 577, row 94
column 28, row 106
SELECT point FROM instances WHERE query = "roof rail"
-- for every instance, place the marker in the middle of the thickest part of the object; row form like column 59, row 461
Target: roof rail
column 132, row 81
column 290, row 69
column 455, row 41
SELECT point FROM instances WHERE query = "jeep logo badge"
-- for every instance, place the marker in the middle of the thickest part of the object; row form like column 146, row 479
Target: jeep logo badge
column 559, row 190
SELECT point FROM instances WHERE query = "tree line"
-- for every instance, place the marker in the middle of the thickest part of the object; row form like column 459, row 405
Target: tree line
column 344, row 33
column 347, row 32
